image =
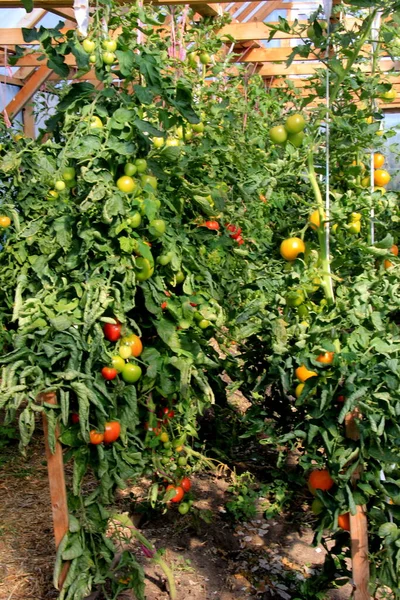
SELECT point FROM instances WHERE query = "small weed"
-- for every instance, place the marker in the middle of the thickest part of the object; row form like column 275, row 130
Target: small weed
column 243, row 505
column 183, row 564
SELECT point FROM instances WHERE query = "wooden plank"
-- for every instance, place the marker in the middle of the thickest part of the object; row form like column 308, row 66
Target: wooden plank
column 209, row 10
column 29, row 121
column 30, row 88
column 359, row 553
column 11, row 80
column 58, row 491
column 47, row 4
column 65, row 13
column 308, row 68
column 32, row 18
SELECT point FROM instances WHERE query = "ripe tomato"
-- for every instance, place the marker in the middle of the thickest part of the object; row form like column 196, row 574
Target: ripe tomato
column 205, row 58
column 109, row 45
column 237, row 234
column 179, row 493
column 326, row 358
column 387, row 264
column 60, row 185
column 291, row 248
column 118, row 363
column 112, row 431
column 344, row 521
column 126, row 184
column 158, row 227
column 75, row 418
column 186, row 484
column 136, row 344
column 379, row 159
column 88, row 45
column 112, row 332
column 141, row 165
column 381, row 177
column 302, row 373
column 96, row 122
column 278, row 134
column 295, row 123
column 320, row 480
column 340, row 398
column 394, row 250
column 213, row 225
column 164, row 305
column 315, row 220
column 240, row 240
column 109, row 373
column 131, row 373
column 262, row 198
column 5, row 221
column 96, row 437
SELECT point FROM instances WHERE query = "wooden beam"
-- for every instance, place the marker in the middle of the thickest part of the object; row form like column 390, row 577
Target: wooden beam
column 209, row 10
column 64, row 13
column 32, row 18
column 11, row 81
column 29, row 121
column 30, row 88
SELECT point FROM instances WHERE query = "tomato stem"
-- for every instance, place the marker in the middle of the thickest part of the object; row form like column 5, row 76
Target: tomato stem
column 323, row 234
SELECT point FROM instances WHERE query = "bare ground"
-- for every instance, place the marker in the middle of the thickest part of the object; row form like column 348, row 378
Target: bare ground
column 212, row 558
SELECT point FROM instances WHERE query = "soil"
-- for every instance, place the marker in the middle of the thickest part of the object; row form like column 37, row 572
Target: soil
column 212, row 557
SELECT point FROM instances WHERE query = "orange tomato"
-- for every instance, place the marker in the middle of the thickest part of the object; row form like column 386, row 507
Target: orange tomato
column 320, row 480
column 379, row 159
column 344, row 521
column 303, row 373
column 326, row 358
column 394, row 250
column 136, row 345
column 381, row 177
column 5, row 221
column 315, row 220
column 387, row 264
column 96, row 437
column 291, row 248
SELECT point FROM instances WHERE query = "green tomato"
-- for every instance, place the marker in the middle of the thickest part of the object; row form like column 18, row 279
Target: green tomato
column 109, row 45
column 165, row 460
column 88, row 46
column 141, row 165
column 96, row 122
column 205, row 58
column 180, row 277
column 295, row 298
column 69, row 173
column 149, row 180
column 278, row 134
column 143, row 269
column 108, row 58
column 193, row 60
column 118, row 363
column 134, row 220
column 157, row 227
column 198, row 127
column 167, row 445
column 52, row 195
column 182, row 461
column 296, row 139
column 164, row 259
column 295, row 123
column 204, row 323
column 126, row 184
column 317, row 507
column 303, row 311
column 60, row 185
column 354, row 227
column 92, row 59
column 171, row 142
column 125, row 352
column 198, row 316
column 184, row 508
column 130, row 169
column 158, row 142
column 131, row 373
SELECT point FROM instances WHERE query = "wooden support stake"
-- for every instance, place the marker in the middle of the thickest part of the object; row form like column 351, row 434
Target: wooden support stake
column 358, row 526
column 58, row 491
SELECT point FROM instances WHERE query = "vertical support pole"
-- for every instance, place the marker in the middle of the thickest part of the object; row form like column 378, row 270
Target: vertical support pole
column 29, row 121
column 358, row 526
column 58, row 491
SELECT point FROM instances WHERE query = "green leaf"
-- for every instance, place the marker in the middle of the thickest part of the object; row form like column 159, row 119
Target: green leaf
column 126, row 62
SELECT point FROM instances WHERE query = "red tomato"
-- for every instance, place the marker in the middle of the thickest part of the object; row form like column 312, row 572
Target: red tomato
column 237, row 233
column 240, row 240
column 340, row 399
column 112, row 333
column 156, row 430
column 165, row 414
column 109, row 373
column 164, row 305
column 112, row 430
column 96, row 437
column 167, row 293
column 75, row 418
column 213, row 225
column 186, row 484
column 192, row 303
column 179, row 493
column 231, row 227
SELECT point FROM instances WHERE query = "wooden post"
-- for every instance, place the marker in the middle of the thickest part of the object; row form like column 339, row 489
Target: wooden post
column 58, row 491
column 358, row 527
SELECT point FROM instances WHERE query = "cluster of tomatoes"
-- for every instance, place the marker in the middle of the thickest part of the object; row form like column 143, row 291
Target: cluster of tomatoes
column 65, row 182
column 235, row 233
column 291, row 131
column 130, row 346
column 320, row 479
column 108, row 48
column 112, row 431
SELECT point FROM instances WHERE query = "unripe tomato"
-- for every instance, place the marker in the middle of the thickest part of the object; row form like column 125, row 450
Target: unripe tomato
column 60, row 185
column 204, row 323
column 198, row 127
column 164, row 259
column 118, row 363
column 296, row 139
column 354, row 217
column 381, row 177
column 171, row 142
column 157, row 227
column 131, row 373
column 51, row 195
column 186, row 484
column 184, row 508
column 291, row 248
column 125, row 352
column 141, row 165
column 134, row 220
column 180, row 277
column 143, row 269
column 302, row 373
column 193, row 59
column 136, row 345
column 379, row 159
column 365, row 182
column 68, row 173
column 164, row 437
column 326, row 358
column 88, row 45
column 92, row 59
column 158, row 142
column 278, row 134
column 389, row 96
column 179, row 493
column 126, row 184
column 130, row 169
column 182, row 461
column 5, row 221
column 108, row 58
column 112, row 431
column 96, row 122
column 315, row 220
column 205, row 58
column 109, row 373
column 317, row 507
column 96, row 437
column 109, row 45
column 295, row 123
column 150, row 180
column 354, row 227
column 112, row 332
column 295, row 298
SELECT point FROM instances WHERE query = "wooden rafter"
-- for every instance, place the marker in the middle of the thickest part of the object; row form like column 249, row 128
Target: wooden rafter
column 65, row 13
column 30, row 88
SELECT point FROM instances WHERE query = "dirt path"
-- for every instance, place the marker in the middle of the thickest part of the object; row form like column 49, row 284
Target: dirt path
column 211, row 557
